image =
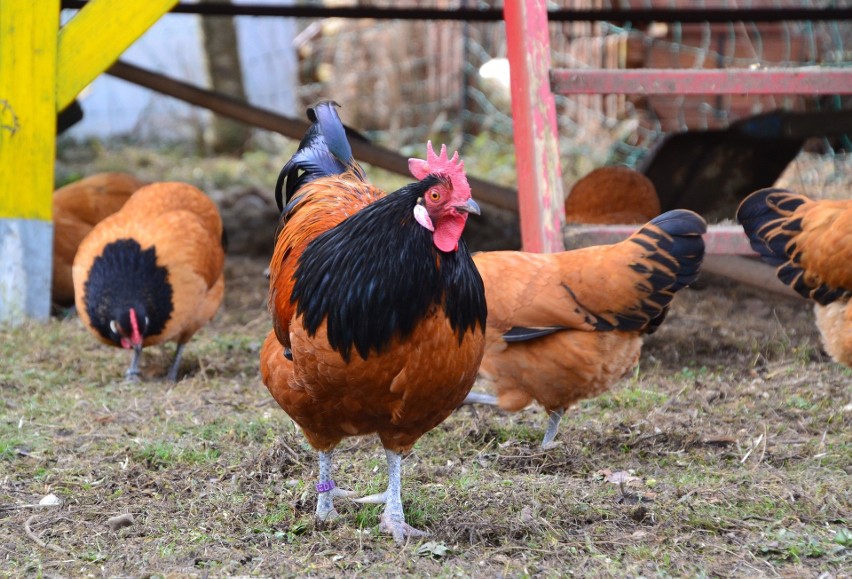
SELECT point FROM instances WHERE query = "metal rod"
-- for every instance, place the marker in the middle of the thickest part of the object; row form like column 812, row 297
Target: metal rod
column 496, row 14
column 810, row 80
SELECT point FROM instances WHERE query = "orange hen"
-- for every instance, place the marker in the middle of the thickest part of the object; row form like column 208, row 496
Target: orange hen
column 811, row 244
column 567, row 326
column 152, row 272
column 77, row 207
column 610, row 195
column 378, row 311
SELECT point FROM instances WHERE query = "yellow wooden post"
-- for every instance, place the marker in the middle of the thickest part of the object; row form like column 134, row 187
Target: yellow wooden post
column 27, row 148
column 42, row 69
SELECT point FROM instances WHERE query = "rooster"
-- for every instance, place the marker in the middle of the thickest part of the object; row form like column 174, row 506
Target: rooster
column 610, row 195
column 152, row 272
column 77, row 207
column 378, row 311
column 566, row 326
column 811, row 244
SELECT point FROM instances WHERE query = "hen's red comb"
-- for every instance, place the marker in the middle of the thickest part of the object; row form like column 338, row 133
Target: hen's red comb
column 441, row 165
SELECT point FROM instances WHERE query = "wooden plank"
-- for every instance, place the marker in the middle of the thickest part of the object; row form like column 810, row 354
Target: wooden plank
column 497, row 195
column 27, row 107
column 27, row 150
column 748, row 270
column 536, row 135
column 719, row 239
column 792, row 81
column 96, row 37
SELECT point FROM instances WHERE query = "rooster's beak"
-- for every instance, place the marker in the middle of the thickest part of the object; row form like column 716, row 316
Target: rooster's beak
column 469, row 207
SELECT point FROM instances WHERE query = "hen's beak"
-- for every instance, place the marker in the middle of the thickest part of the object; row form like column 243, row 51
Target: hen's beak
column 469, row 207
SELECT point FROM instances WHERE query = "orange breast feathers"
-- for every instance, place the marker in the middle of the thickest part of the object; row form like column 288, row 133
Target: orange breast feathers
column 567, row 325
column 400, row 393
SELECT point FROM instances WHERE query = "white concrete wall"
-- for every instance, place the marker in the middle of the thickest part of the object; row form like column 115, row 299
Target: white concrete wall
column 173, row 47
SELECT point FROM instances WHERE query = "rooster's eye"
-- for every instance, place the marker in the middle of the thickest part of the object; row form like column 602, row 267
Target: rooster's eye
column 434, row 195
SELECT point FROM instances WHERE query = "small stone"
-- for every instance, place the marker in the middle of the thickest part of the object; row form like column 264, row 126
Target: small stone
column 50, row 500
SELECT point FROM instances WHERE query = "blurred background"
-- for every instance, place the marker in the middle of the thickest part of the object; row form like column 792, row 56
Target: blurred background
column 403, row 82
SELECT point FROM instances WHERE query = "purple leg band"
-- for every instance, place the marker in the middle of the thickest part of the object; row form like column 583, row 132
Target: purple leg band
column 324, row 487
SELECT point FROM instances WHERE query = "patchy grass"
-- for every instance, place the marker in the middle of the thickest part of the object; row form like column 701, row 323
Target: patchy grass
column 734, row 429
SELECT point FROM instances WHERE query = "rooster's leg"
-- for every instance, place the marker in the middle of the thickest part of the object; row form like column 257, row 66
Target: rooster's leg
column 393, row 518
column 173, row 371
column 132, row 373
column 325, row 499
column 552, row 429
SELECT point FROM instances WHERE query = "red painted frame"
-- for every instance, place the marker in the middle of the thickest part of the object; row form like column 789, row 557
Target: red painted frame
column 540, row 199
column 809, row 81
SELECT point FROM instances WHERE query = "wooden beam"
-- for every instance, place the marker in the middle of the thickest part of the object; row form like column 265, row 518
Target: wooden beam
column 497, row 195
column 27, row 107
column 96, row 36
column 808, row 80
column 719, row 239
column 540, row 197
column 27, row 150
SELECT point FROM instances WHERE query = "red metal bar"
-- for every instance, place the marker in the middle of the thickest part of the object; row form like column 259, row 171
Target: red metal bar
column 719, row 239
column 540, row 199
column 812, row 80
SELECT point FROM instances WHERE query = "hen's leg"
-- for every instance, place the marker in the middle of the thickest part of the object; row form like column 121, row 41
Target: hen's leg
column 132, row 373
column 393, row 518
column 552, row 429
column 480, row 398
column 173, row 371
column 327, row 490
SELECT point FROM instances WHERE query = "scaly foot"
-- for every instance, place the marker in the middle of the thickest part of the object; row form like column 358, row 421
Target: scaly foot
column 325, row 504
column 398, row 528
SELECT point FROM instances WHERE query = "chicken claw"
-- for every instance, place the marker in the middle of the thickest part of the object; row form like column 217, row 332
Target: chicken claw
column 552, row 429
column 392, row 520
column 398, row 528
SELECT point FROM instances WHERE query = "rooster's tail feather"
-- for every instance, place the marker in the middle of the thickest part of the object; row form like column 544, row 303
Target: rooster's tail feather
column 323, row 151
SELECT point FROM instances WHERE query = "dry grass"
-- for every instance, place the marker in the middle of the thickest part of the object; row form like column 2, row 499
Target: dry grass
column 735, row 427
column 735, row 432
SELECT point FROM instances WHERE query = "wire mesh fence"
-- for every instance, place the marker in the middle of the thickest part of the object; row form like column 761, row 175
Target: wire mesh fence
column 402, row 82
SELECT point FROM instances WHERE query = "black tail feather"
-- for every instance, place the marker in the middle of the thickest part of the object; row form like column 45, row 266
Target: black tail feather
column 675, row 263
column 763, row 215
column 768, row 221
column 323, row 151
column 687, row 245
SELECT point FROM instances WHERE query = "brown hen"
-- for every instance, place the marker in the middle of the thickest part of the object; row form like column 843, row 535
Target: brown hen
column 152, row 272
column 566, row 326
column 611, row 195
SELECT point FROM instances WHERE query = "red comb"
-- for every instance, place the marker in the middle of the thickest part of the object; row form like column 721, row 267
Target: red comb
column 441, row 165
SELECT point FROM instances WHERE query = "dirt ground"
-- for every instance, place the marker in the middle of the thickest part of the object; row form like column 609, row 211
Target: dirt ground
column 731, row 438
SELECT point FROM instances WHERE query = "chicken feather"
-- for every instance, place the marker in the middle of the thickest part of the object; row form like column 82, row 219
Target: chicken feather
column 810, row 243
column 152, row 272
column 566, row 326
